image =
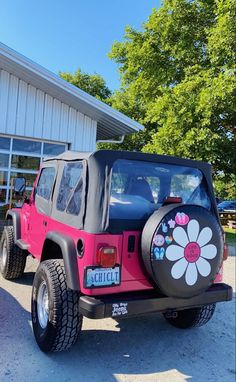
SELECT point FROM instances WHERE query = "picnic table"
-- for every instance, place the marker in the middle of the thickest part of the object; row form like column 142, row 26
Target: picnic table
column 228, row 218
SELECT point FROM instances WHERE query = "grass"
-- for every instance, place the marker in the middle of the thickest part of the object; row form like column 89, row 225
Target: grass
column 229, row 230
column 230, row 235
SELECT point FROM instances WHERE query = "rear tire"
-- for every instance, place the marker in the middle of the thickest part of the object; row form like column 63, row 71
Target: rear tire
column 189, row 318
column 55, row 308
column 12, row 258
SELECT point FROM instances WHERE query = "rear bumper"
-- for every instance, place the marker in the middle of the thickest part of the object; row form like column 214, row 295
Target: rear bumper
column 137, row 303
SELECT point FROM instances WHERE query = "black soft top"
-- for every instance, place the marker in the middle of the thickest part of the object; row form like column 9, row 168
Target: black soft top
column 110, row 156
column 97, row 175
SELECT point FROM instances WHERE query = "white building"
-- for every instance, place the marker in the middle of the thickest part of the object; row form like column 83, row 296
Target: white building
column 41, row 114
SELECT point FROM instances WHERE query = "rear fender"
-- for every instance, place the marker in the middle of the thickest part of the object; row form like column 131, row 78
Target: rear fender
column 69, row 255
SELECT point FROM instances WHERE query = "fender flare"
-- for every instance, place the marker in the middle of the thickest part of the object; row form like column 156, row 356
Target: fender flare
column 69, row 255
column 16, row 222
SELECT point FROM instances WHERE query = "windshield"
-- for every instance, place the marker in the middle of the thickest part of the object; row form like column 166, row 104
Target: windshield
column 139, row 188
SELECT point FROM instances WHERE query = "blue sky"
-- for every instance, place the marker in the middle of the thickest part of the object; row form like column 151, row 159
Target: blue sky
column 64, row 35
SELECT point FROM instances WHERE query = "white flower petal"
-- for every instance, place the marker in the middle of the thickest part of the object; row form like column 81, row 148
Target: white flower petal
column 174, row 252
column 191, row 274
column 179, row 268
column 204, row 236
column 209, row 251
column 180, row 236
column 193, row 230
column 203, row 267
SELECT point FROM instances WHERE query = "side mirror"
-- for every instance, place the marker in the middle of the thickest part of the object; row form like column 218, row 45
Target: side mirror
column 19, row 186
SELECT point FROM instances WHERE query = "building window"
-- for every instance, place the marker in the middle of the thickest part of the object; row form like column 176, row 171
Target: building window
column 22, row 158
column 4, row 160
column 29, row 178
column 53, row 149
column 25, row 162
column 3, row 193
column 3, row 178
column 5, row 143
column 26, row 146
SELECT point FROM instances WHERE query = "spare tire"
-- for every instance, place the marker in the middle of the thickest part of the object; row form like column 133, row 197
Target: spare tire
column 182, row 249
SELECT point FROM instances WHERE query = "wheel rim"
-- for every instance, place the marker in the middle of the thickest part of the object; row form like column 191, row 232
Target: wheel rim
column 3, row 254
column 43, row 305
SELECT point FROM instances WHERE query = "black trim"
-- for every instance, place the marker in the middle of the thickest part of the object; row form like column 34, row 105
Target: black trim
column 149, row 302
column 22, row 244
column 15, row 215
column 69, row 254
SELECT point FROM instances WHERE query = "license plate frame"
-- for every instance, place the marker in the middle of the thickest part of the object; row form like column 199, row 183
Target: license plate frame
column 92, row 281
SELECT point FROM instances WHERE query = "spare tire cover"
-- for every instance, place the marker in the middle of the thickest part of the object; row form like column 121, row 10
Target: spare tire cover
column 182, row 249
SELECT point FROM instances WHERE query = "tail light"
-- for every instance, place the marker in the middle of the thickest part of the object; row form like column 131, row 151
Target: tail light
column 172, row 199
column 107, row 256
column 226, row 251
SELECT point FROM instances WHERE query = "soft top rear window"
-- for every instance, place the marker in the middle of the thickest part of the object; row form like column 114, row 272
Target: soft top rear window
column 139, row 188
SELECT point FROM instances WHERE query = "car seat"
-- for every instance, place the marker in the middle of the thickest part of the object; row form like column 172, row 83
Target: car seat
column 140, row 187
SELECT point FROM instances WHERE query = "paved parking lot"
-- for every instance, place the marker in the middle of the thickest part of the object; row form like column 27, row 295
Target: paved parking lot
column 144, row 349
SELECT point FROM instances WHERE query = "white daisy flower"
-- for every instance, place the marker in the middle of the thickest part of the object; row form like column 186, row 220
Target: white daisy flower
column 191, row 253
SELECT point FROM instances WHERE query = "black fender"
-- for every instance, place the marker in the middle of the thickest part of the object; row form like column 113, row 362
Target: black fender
column 16, row 222
column 69, row 255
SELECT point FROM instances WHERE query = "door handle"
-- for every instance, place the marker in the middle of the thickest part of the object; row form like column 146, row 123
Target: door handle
column 45, row 223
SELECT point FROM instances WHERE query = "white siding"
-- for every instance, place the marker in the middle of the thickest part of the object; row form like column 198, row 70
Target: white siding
column 4, row 88
column 39, row 110
column 30, row 112
column 21, row 107
column 12, row 104
column 64, row 120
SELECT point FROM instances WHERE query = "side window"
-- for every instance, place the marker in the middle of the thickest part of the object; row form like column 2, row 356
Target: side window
column 75, row 201
column 69, row 196
column 45, row 183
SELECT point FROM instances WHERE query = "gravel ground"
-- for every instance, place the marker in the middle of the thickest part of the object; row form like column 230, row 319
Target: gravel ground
column 144, row 349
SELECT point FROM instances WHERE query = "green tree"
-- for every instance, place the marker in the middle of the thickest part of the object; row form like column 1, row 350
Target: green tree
column 178, row 79
column 93, row 84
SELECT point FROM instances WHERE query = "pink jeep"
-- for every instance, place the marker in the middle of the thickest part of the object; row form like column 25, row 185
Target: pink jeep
column 117, row 234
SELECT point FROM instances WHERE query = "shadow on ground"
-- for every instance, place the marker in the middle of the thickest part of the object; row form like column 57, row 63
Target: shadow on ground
column 144, row 349
column 137, row 349
column 27, row 279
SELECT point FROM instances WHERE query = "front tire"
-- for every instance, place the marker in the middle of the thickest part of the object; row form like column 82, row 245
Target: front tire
column 12, row 258
column 189, row 318
column 55, row 308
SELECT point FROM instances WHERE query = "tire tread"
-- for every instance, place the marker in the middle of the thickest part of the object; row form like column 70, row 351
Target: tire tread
column 65, row 318
column 16, row 258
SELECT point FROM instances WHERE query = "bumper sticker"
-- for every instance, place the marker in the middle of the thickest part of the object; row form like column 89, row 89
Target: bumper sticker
column 119, row 309
column 159, row 253
column 159, row 240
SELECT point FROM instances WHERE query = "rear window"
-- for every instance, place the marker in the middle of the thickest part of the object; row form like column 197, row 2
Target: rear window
column 139, row 188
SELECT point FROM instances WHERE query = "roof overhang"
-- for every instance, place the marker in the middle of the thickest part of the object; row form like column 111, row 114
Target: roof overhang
column 110, row 122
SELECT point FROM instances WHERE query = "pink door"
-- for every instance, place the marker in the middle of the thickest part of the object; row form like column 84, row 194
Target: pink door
column 40, row 209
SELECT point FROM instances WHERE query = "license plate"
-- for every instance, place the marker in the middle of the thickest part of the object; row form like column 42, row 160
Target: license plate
column 99, row 277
